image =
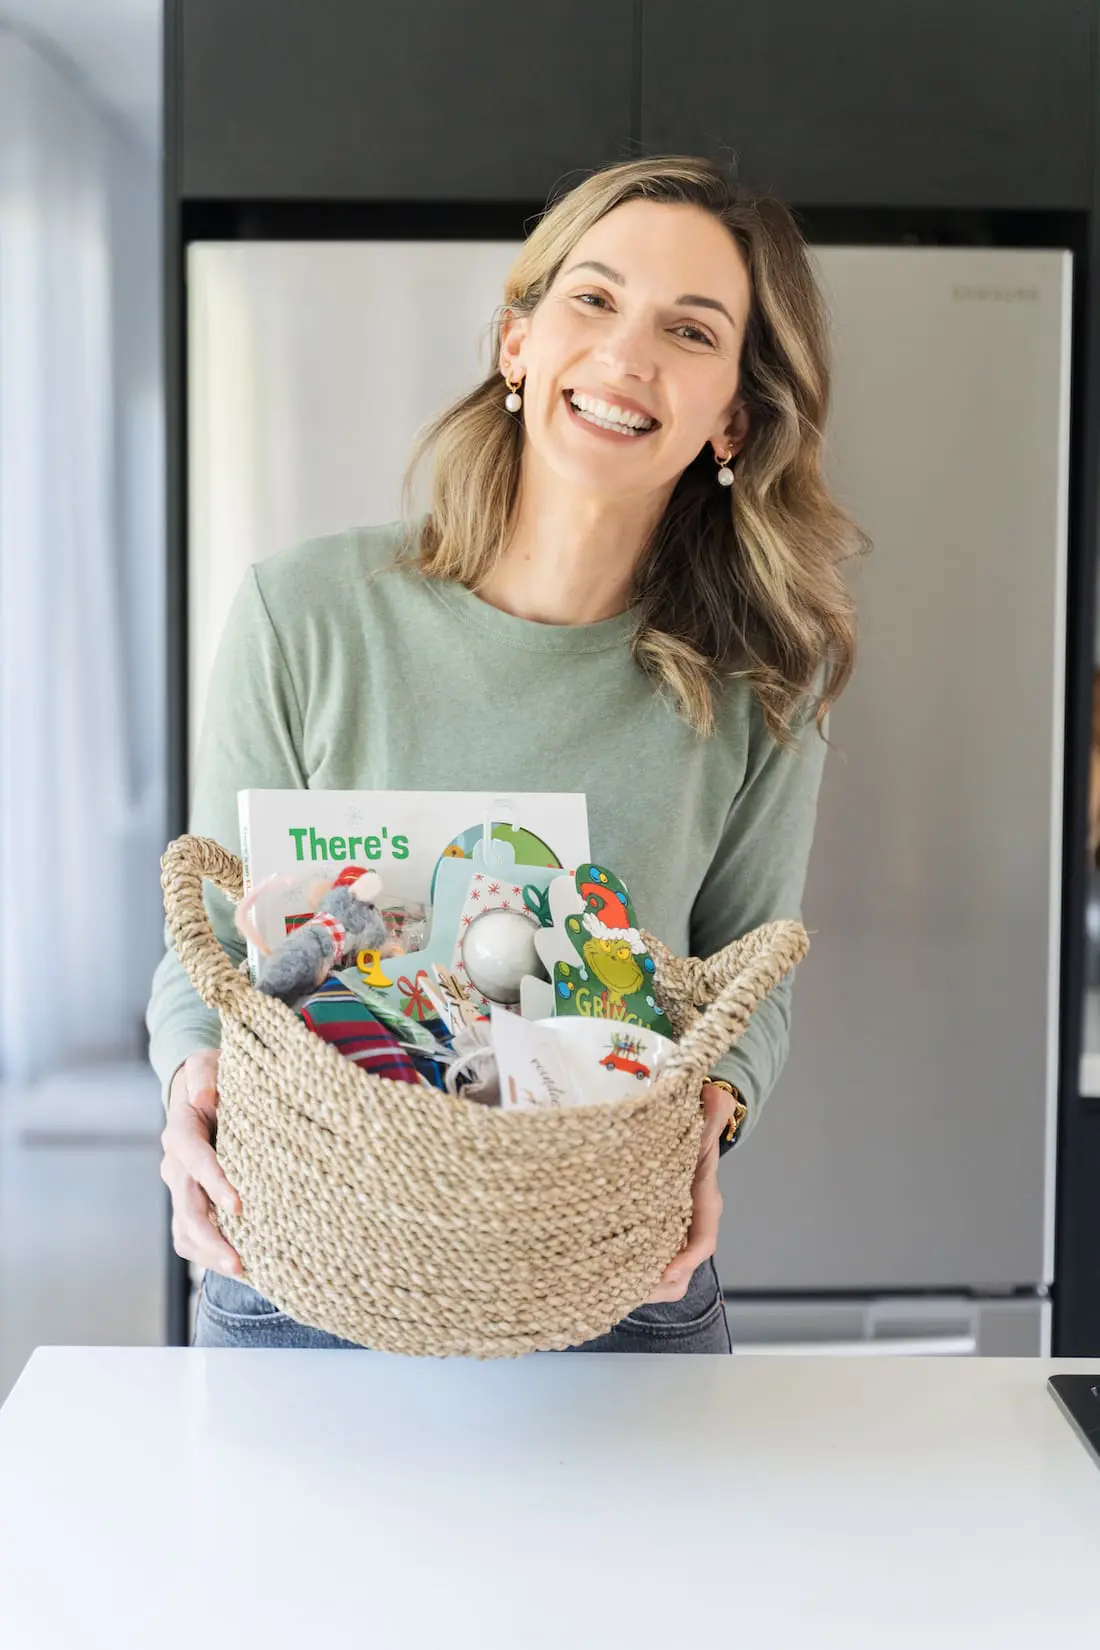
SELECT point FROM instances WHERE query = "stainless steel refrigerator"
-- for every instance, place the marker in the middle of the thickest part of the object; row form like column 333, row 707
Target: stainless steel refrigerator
column 897, row 1195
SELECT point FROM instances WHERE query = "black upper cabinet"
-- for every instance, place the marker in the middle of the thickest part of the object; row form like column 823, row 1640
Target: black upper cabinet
column 398, row 99
column 977, row 103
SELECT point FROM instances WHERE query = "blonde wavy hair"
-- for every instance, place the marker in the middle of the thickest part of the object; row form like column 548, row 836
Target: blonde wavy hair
column 735, row 582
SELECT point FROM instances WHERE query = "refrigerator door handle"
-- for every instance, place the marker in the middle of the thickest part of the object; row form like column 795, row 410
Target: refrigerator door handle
column 900, row 1346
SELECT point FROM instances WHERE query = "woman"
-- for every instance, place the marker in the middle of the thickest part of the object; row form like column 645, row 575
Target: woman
column 598, row 600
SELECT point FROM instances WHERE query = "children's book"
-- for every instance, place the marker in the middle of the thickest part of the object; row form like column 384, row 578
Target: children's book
column 400, row 834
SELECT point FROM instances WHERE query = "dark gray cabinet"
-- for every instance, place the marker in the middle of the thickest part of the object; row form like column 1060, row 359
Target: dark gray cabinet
column 941, row 103
column 483, row 100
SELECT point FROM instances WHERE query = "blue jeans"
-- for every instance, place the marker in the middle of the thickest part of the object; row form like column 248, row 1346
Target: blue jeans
column 230, row 1313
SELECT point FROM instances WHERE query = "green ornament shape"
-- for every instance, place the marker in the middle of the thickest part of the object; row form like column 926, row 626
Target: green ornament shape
column 612, row 980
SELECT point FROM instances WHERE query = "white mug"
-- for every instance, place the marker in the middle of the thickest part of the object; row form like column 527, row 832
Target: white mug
column 609, row 1059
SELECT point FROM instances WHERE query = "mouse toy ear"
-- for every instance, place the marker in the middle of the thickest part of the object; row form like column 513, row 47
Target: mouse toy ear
column 365, row 885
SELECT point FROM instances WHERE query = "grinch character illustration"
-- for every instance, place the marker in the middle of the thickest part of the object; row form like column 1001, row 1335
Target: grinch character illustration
column 616, row 967
column 612, row 953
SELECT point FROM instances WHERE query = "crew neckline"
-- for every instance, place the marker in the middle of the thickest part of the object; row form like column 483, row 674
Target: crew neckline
column 533, row 635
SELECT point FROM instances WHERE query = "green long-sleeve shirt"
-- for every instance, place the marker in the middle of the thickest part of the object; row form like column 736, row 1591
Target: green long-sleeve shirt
column 339, row 671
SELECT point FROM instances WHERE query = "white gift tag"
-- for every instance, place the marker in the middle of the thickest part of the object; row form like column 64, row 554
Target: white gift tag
column 531, row 1065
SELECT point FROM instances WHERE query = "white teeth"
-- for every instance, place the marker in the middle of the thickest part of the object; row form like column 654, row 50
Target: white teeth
column 606, row 424
column 611, row 417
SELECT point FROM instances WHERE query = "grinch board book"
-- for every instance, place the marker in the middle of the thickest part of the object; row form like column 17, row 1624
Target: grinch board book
column 403, row 835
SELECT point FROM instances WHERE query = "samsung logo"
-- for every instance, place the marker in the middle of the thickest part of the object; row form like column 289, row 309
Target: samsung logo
column 995, row 294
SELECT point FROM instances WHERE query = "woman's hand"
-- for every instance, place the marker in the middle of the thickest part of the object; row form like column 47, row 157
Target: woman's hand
column 706, row 1201
column 190, row 1168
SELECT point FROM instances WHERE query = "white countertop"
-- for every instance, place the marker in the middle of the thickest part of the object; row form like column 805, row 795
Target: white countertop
column 155, row 1499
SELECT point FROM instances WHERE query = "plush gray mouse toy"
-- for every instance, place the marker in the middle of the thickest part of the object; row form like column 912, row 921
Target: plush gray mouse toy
column 345, row 921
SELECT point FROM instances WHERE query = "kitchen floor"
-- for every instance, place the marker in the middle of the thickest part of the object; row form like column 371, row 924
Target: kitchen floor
column 83, row 1214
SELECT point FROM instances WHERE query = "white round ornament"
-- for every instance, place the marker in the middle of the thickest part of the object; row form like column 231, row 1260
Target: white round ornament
column 498, row 949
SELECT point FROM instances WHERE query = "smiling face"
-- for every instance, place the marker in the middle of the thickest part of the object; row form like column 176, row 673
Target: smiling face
column 614, row 965
column 631, row 361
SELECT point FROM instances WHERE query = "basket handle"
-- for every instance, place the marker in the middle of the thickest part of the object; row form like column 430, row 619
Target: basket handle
column 737, row 980
column 694, row 982
column 185, row 865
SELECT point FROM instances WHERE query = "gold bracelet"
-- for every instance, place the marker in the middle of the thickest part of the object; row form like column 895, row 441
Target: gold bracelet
column 740, row 1110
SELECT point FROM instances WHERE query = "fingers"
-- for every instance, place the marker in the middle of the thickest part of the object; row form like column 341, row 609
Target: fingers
column 702, row 1241
column 190, row 1167
column 703, row 1236
column 187, row 1136
column 186, row 1139
column 706, row 1202
column 194, row 1234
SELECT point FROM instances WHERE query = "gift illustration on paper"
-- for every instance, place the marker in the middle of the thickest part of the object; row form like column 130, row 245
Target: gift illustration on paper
column 415, row 1000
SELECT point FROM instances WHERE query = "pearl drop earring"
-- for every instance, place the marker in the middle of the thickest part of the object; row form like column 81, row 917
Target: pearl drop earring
column 513, row 401
column 725, row 474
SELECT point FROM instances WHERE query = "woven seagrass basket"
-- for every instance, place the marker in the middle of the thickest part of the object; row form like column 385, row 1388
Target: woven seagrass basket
column 409, row 1221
